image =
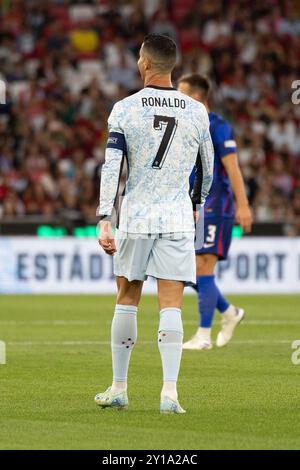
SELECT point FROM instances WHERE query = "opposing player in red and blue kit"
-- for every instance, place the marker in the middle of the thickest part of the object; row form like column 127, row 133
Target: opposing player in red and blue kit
column 226, row 203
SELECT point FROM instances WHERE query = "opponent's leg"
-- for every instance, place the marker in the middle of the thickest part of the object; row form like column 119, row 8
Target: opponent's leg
column 208, row 295
column 231, row 316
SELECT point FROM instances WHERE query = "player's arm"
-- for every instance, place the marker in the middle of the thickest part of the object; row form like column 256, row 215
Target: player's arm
column 110, row 179
column 203, row 173
column 226, row 146
column 243, row 211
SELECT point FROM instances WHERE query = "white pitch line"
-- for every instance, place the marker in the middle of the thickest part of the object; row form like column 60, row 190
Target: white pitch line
column 62, row 343
column 99, row 323
column 105, row 343
column 271, row 322
column 48, row 323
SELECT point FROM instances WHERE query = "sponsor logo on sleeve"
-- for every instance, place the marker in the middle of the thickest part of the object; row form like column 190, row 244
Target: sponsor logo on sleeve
column 229, row 143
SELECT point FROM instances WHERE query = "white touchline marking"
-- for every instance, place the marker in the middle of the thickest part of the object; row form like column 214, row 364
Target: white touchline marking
column 2, row 352
column 62, row 343
column 271, row 322
column 108, row 322
column 49, row 323
column 104, row 343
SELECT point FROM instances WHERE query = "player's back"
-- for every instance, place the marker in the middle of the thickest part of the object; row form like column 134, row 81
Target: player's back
column 163, row 130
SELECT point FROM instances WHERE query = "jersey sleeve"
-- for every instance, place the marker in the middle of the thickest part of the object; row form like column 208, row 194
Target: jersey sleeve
column 223, row 138
column 113, row 166
column 202, row 175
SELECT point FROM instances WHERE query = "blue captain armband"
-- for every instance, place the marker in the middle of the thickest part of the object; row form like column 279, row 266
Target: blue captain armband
column 116, row 140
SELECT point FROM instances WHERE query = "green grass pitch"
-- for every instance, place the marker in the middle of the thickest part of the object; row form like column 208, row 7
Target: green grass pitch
column 245, row 396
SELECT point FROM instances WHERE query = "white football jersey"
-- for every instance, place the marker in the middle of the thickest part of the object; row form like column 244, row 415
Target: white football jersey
column 162, row 134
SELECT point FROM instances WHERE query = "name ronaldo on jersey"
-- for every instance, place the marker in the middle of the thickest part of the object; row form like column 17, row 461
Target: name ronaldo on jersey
column 163, row 102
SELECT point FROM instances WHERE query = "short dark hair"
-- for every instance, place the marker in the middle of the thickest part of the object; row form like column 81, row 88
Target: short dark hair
column 163, row 51
column 197, row 82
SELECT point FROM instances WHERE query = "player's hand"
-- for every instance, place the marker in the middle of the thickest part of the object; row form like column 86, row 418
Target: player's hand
column 244, row 218
column 196, row 217
column 107, row 240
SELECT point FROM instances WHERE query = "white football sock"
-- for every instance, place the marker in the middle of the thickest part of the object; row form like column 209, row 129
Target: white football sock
column 123, row 338
column 118, row 387
column 204, row 334
column 169, row 390
column 170, row 337
column 230, row 312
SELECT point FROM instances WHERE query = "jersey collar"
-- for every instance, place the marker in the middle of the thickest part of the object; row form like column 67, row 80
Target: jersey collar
column 161, row 87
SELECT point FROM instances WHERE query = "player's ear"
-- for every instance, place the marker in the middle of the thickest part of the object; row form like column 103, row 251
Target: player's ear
column 147, row 63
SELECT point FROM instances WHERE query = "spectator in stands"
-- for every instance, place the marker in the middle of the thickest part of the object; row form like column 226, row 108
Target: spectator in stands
column 67, row 62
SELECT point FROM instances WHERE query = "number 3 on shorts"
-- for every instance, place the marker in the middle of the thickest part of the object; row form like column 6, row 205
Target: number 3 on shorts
column 212, row 229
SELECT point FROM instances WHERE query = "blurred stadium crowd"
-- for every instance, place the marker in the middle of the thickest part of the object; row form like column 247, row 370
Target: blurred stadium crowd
column 67, row 62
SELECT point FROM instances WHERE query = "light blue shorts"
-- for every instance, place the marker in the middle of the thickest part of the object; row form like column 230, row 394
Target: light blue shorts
column 164, row 256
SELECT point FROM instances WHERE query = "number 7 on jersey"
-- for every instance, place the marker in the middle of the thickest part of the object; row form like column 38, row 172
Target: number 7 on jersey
column 171, row 126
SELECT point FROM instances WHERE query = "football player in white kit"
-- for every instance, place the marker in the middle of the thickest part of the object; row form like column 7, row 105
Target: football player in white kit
column 162, row 134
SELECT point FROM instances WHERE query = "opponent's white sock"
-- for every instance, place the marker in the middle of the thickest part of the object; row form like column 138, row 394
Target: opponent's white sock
column 204, row 334
column 231, row 312
column 170, row 335
column 123, row 338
